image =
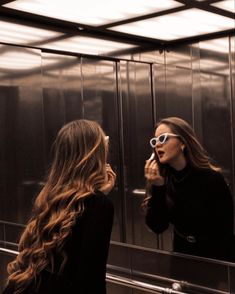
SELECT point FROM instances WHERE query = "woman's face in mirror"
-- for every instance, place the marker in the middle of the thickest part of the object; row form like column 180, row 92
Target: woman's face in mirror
column 169, row 147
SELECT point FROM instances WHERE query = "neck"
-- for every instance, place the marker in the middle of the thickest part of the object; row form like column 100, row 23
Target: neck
column 179, row 164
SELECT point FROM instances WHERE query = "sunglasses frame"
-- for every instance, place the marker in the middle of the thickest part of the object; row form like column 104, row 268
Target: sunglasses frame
column 166, row 137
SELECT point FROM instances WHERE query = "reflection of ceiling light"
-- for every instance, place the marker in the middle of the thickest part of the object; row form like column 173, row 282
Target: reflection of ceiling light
column 90, row 11
column 88, row 45
column 30, row 59
column 20, row 60
column 226, row 5
column 20, row 34
column 178, row 25
column 212, row 66
column 218, row 45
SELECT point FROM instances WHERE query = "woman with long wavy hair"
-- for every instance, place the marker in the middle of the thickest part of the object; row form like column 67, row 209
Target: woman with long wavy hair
column 64, row 246
column 186, row 189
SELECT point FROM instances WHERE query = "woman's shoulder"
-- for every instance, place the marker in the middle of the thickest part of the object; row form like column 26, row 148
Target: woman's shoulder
column 96, row 205
column 99, row 199
column 210, row 175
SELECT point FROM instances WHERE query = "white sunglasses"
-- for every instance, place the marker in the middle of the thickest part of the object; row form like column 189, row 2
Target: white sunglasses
column 162, row 139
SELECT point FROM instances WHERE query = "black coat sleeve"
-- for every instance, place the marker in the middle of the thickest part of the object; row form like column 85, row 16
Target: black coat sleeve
column 157, row 216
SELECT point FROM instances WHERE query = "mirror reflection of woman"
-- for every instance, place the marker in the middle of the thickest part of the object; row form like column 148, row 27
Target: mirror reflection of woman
column 186, row 189
column 64, row 246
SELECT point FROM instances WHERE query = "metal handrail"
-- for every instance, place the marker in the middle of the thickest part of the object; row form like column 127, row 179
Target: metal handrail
column 131, row 283
column 176, row 284
column 140, row 192
column 11, row 224
column 122, row 281
column 139, row 285
column 9, row 251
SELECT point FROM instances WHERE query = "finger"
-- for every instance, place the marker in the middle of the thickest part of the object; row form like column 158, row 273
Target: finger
column 152, row 162
column 147, row 163
column 111, row 174
column 110, row 171
column 155, row 166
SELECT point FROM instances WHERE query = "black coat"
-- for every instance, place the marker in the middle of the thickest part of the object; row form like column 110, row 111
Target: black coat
column 87, row 250
column 201, row 207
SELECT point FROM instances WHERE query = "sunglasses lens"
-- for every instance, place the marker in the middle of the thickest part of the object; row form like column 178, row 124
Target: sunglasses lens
column 162, row 138
column 153, row 142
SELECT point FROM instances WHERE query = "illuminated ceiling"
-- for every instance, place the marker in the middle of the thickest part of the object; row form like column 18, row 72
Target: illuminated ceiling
column 104, row 26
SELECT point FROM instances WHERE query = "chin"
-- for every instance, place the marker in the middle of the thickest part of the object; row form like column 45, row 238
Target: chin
column 163, row 161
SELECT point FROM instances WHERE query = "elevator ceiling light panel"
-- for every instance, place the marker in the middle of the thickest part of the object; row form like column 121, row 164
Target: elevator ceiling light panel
column 92, row 12
column 228, row 5
column 145, row 23
column 178, row 25
column 20, row 34
column 89, row 46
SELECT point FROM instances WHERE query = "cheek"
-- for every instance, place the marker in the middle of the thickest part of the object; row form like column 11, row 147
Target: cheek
column 173, row 149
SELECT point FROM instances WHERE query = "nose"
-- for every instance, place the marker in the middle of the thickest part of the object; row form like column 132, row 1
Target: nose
column 158, row 144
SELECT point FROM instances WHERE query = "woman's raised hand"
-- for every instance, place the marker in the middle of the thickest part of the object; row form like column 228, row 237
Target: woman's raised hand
column 109, row 180
column 152, row 174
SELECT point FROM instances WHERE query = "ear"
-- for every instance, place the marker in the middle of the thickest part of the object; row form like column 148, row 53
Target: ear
column 182, row 147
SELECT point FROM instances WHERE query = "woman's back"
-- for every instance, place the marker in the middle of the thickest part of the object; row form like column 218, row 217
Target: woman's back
column 65, row 243
column 87, row 250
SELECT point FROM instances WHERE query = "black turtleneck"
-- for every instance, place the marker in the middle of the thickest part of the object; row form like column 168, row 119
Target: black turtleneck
column 199, row 204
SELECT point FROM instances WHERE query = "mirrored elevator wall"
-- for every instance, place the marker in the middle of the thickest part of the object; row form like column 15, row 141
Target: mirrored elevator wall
column 195, row 82
column 41, row 91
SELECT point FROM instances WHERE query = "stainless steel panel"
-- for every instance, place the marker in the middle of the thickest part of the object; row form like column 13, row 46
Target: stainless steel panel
column 62, row 100
column 179, row 56
column 137, row 129
column 118, row 289
column 232, row 79
column 155, row 56
column 232, row 73
column 22, row 159
column 192, row 273
column 99, row 94
column 215, row 112
column 232, row 279
column 162, row 269
column 173, row 91
column 196, row 92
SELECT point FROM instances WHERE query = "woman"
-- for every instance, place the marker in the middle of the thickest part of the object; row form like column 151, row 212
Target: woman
column 64, row 246
column 186, row 189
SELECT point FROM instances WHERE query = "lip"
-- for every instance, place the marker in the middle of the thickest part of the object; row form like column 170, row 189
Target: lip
column 160, row 153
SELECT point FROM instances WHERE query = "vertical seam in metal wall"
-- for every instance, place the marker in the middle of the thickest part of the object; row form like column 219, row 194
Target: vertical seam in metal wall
column 43, row 115
column 192, row 88
column 4, row 235
column 152, row 85
column 81, row 79
column 121, row 149
column 154, row 114
column 231, row 111
column 165, row 77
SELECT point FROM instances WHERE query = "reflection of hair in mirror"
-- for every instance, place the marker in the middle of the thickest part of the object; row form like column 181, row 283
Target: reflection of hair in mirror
column 194, row 198
column 71, row 219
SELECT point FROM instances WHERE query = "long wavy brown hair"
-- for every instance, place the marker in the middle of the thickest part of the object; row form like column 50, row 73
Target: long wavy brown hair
column 196, row 156
column 77, row 171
